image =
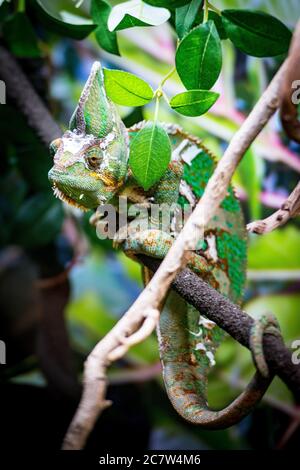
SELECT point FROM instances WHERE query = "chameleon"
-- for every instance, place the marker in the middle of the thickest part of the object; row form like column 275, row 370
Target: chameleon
column 91, row 169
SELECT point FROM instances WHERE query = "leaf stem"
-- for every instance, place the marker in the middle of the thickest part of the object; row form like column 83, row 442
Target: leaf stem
column 213, row 8
column 169, row 74
column 158, row 95
column 205, row 15
column 79, row 3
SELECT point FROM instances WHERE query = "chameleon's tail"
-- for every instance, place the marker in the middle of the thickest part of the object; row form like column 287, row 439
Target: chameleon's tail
column 183, row 391
column 186, row 356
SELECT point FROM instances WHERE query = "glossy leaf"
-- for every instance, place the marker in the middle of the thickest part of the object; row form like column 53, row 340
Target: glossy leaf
column 127, row 89
column 100, row 11
column 150, row 154
column 193, row 102
column 199, row 57
column 171, row 4
column 186, row 16
column 20, row 36
column 217, row 19
column 64, row 18
column 136, row 13
column 256, row 33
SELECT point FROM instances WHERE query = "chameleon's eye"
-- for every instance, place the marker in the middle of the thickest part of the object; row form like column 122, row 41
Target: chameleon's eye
column 93, row 162
column 54, row 146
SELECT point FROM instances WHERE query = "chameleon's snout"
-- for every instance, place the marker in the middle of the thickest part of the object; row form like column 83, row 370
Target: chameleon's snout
column 66, row 188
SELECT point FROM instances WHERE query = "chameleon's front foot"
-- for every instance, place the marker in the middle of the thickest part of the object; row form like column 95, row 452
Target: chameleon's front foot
column 151, row 242
column 266, row 323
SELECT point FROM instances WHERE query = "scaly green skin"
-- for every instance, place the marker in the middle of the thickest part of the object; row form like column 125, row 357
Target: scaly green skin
column 90, row 169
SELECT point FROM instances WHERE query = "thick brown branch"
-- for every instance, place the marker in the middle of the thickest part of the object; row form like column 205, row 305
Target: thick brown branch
column 28, row 101
column 290, row 208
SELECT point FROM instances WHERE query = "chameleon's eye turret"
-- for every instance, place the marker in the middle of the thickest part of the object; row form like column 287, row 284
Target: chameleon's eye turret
column 54, row 146
column 91, row 158
column 93, row 162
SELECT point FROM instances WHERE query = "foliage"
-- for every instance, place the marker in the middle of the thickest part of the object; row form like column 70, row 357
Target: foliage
column 200, row 27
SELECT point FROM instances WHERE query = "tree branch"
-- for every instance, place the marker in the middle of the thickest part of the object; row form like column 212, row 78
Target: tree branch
column 146, row 307
column 290, row 208
column 26, row 98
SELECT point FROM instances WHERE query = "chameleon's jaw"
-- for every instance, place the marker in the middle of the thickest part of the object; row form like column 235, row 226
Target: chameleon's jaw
column 66, row 188
column 63, row 197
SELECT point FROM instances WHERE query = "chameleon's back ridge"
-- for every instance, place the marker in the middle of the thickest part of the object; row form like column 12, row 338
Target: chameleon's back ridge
column 91, row 169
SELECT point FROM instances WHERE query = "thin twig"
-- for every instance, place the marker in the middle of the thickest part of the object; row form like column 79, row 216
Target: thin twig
column 115, row 342
column 290, row 208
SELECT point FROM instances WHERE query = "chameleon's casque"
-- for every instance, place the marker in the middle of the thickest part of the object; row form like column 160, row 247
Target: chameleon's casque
column 91, row 168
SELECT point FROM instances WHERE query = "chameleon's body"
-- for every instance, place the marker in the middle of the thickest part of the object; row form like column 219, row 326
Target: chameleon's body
column 91, row 168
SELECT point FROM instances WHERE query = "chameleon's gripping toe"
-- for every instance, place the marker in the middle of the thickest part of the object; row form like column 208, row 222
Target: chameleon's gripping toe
column 266, row 323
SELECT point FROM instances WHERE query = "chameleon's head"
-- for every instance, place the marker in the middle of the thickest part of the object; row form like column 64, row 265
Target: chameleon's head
column 90, row 160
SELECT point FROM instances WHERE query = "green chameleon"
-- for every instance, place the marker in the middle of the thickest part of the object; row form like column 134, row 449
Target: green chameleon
column 91, row 169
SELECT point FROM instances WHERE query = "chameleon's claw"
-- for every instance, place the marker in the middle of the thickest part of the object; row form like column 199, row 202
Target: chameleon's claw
column 266, row 323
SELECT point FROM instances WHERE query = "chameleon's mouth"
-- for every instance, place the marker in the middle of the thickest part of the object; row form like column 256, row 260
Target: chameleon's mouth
column 63, row 197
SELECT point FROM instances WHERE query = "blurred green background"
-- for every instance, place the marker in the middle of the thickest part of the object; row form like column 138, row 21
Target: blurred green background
column 62, row 289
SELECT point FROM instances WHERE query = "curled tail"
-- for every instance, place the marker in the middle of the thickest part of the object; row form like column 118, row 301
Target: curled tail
column 192, row 405
column 187, row 343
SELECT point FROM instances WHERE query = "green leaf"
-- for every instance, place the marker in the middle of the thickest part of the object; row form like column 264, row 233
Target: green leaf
column 171, row 4
column 217, row 19
column 185, row 17
column 38, row 221
column 100, row 11
column 199, row 57
column 127, row 89
column 189, row 16
column 278, row 250
column 136, row 13
column 150, row 154
column 256, row 33
column 20, row 36
column 193, row 102
column 64, row 18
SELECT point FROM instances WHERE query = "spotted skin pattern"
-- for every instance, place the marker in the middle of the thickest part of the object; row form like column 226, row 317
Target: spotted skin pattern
column 91, row 169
